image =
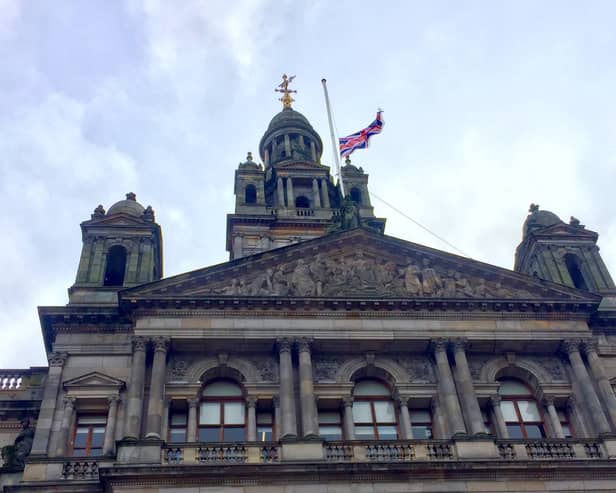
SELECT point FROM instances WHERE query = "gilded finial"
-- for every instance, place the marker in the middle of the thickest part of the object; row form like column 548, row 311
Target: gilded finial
column 283, row 87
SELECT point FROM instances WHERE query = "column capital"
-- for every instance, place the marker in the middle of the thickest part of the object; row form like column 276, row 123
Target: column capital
column 459, row 344
column 548, row 400
column 251, row 401
column 495, row 400
column 402, row 401
column 347, row 401
column 438, row 345
column 193, row 402
column 139, row 343
column 284, row 345
column 570, row 346
column 590, row 346
column 113, row 400
column 304, row 345
column 69, row 401
column 161, row 344
column 57, row 359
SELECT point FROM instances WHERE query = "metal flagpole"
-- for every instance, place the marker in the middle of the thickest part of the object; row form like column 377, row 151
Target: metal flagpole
column 332, row 135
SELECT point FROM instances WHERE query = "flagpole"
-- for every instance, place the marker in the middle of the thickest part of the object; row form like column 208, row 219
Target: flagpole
column 333, row 137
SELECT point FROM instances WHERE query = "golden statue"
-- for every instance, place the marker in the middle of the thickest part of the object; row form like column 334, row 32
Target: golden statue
column 286, row 92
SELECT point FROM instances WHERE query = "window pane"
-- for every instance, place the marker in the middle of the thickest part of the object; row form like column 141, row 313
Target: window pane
column 234, row 413
column 265, row 418
column 420, row 416
column 210, row 413
column 177, row 435
column 264, row 434
column 513, row 387
column 79, row 452
column 364, row 432
column 330, row 432
column 384, row 412
column 529, row 411
column 534, row 431
column 178, row 419
column 370, row 387
column 508, row 410
column 96, row 452
column 91, row 420
column 234, row 435
column 222, row 389
column 81, row 437
column 567, row 431
column 388, row 432
column 98, row 436
column 515, row 431
column 209, row 434
column 361, row 412
column 329, row 417
column 422, row 432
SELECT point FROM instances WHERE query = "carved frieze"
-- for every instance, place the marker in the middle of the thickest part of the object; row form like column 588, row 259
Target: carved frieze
column 267, row 368
column 475, row 365
column 554, row 367
column 419, row 368
column 324, row 368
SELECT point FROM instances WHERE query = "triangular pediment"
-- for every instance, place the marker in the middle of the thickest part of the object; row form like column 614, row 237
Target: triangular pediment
column 567, row 230
column 94, row 380
column 300, row 165
column 356, row 263
column 119, row 219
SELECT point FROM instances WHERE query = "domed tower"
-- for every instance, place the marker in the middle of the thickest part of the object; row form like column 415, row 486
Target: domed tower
column 560, row 252
column 291, row 197
column 121, row 248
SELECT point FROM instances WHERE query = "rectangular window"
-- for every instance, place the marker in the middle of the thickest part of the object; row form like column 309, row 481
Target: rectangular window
column 421, row 424
column 177, row 427
column 89, row 435
column 265, row 427
column 564, row 423
column 330, row 425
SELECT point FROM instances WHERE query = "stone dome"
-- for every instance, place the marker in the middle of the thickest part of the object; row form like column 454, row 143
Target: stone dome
column 539, row 219
column 128, row 206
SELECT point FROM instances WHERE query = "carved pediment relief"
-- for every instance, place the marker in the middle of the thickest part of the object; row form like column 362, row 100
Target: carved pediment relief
column 94, row 380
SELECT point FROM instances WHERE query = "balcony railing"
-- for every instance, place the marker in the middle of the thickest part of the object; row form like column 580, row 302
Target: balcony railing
column 221, row 453
column 394, row 451
column 550, row 449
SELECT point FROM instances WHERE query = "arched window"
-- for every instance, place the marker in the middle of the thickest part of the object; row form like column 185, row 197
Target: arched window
column 222, row 415
column 250, row 194
column 520, row 410
column 356, row 195
column 573, row 266
column 374, row 412
column 116, row 266
column 302, row 202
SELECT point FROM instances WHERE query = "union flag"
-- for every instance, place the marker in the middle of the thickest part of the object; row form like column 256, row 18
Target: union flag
column 360, row 140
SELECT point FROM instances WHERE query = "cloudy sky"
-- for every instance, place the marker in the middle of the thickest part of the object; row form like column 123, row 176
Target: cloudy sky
column 489, row 106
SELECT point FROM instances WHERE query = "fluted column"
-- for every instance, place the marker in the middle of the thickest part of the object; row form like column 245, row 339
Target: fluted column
column 405, row 418
column 349, row 424
column 65, row 428
column 157, row 388
column 251, row 431
column 287, row 394
column 325, row 192
column 48, row 404
column 112, row 417
column 280, row 190
column 497, row 417
column 465, row 380
column 555, row 425
column 191, row 426
column 588, row 391
column 448, row 388
column 603, row 383
column 306, row 391
column 134, row 402
column 290, row 194
column 315, row 192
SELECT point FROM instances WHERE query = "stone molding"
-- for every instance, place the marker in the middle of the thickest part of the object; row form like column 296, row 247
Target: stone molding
column 57, row 359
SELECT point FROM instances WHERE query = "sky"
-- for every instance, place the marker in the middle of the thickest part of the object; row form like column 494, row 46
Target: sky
column 488, row 106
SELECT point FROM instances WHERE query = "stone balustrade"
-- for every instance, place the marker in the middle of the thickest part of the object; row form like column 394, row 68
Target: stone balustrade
column 80, row 469
column 221, row 453
column 11, row 379
column 551, row 449
column 388, row 451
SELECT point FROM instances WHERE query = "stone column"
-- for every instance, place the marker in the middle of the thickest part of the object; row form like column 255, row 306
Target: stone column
column 325, row 192
column 280, row 190
column 438, row 420
column 349, row 424
column 157, row 388
column 288, row 427
column 589, row 396
column 306, row 391
column 266, row 157
column 48, row 404
column 287, row 145
column 467, row 391
column 191, row 425
column 405, row 418
column 603, row 383
column 134, row 403
column 251, row 431
column 313, row 151
column 576, row 418
column 112, row 417
column 555, row 425
column 65, row 429
column 448, row 388
column 277, row 424
column 497, row 417
column 315, row 192
column 290, row 194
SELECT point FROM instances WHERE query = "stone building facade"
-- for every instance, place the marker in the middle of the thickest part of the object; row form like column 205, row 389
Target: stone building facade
column 324, row 356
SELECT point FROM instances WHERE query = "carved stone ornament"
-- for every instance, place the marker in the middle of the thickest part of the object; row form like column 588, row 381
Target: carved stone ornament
column 57, row 359
column 325, row 368
column 178, row 369
column 475, row 365
column 139, row 343
column 267, row 368
column 284, row 345
column 554, row 367
column 362, row 273
column 161, row 344
column 418, row 368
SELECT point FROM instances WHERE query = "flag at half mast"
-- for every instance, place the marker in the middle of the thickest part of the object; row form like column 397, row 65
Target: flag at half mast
column 360, row 140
